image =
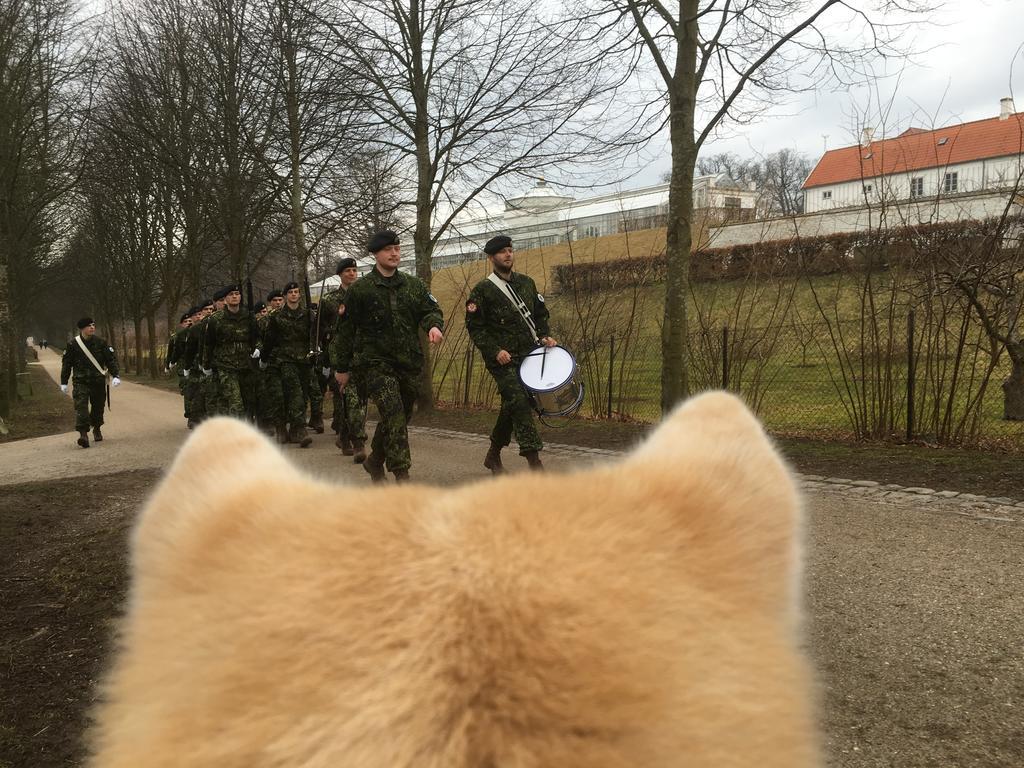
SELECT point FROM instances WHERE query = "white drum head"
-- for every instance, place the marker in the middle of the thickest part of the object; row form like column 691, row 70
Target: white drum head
column 557, row 364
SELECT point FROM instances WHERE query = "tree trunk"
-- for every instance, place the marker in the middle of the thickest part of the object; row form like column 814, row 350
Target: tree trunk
column 675, row 380
column 421, row 236
column 137, row 322
column 7, row 392
column 154, row 368
column 1013, row 387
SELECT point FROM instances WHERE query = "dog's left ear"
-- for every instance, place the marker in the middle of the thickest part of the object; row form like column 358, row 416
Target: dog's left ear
column 222, row 467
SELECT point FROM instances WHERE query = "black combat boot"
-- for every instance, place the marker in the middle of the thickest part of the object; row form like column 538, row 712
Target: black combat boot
column 345, row 444
column 402, row 476
column 97, row 435
column 375, row 466
column 316, row 423
column 83, row 438
column 493, row 459
column 359, row 449
column 299, row 436
column 533, row 459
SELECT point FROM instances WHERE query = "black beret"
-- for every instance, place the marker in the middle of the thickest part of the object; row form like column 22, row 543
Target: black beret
column 232, row 288
column 260, row 306
column 346, row 263
column 219, row 294
column 275, row 294
column 85, row 321
column 495, row 244
column 291, row 285
column 382, row 239
column 185, row 316
column 205, row 303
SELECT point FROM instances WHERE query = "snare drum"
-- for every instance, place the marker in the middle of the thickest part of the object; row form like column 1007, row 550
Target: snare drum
column 551, row 377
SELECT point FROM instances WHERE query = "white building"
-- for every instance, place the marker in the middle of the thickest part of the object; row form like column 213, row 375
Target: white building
column 542, row 216
column 980, row 156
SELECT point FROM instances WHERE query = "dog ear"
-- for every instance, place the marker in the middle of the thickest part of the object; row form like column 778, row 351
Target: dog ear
column 711, row 461
column 223, row 469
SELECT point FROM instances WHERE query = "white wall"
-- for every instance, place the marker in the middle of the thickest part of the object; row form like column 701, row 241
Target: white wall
column 889, row 216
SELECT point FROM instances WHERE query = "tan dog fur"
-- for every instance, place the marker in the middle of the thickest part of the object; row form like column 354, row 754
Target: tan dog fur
column 643, row 613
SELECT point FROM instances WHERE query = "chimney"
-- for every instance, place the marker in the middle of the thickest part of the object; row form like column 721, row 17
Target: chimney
column 866, row 136
column 1006, row 108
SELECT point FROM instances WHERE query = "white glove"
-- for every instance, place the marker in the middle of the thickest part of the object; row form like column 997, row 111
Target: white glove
column 262, row 365
column 170, row 366
column 184, row 372
column 325, row 372
column 206, row 371
column 64, row 388
column 255, row 354
column 115, row 382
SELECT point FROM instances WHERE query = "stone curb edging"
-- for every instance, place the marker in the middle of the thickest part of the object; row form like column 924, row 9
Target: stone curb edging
column 997, row 508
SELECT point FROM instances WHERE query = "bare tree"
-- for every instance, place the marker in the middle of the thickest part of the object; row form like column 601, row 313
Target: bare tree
column 720, row 61
column 471, row 93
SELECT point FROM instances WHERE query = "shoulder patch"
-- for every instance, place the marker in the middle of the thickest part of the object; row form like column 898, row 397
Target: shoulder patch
column 471, row 306
column 541, row 298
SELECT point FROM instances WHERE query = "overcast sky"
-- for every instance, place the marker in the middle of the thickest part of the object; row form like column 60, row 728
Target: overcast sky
column 962, row 79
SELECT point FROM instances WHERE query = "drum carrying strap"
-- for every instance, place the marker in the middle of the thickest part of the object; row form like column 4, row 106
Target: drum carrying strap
column 510, row 293
column 92, row 359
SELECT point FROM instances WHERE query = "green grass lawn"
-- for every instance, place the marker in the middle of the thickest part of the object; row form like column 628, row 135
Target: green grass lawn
column 41, row 408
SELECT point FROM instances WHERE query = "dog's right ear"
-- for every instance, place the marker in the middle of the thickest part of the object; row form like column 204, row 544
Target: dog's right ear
column 223, row 469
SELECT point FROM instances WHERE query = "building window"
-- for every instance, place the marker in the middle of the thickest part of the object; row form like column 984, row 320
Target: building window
column 950, row 182
column 732, row 202
column 591, row 232
column 917, row 187
column 868, row 188
column 826, row 195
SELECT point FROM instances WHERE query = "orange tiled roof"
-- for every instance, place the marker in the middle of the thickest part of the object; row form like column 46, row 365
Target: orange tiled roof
column 916, row 149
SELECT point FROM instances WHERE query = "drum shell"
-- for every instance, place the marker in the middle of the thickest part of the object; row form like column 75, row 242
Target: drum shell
column 562, row 399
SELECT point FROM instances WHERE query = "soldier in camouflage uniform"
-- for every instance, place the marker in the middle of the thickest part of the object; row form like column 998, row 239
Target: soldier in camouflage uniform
column 378, row 342
column 227, row 343
column 349, row 421
column 272, row 403
column 90, row 381
column 189, row 364
column 317, row 381
column 503, row 337
column 212, row 395
column 175, row 351
column 287, row 342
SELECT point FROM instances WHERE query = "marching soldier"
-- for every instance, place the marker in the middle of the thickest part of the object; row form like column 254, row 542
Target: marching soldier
column 349, row 421
column 286, row 342
column 507, row 319
column 230, row 335
column 90, row 360
column 175, row 351
column 189, row 364
column 272, row 403
column 378, row 343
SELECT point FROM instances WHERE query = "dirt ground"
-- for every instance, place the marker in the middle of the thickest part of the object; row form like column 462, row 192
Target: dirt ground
column 914, row 619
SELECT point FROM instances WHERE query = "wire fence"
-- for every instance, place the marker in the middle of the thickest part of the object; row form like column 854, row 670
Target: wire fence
column 900, row 377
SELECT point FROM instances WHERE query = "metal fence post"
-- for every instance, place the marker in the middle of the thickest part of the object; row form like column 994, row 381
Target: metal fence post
column 611, row 372
column 910, row 375
column 725, row 357
column 469, row 371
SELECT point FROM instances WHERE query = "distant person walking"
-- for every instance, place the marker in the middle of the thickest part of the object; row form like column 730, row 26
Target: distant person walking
column 91, row 361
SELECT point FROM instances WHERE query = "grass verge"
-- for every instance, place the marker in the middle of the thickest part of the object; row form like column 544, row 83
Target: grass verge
column 41, row 408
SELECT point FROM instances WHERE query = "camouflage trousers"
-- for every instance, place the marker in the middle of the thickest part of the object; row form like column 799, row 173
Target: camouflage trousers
column 210, row 388
column 317, row 385
column 235, row 392
column 295, row 383
column 90, row 397
column 270, row 397
column 195, row 397
column 349, row 417
column 394, row 395
column 516, row 414
column 182, row 384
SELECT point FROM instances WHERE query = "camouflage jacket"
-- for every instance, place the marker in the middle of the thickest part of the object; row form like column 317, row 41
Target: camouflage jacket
column 381, row 321
column 495, row 324
column 76, row 363
column 228, row 340
column 287, row 335
column 327, row 310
